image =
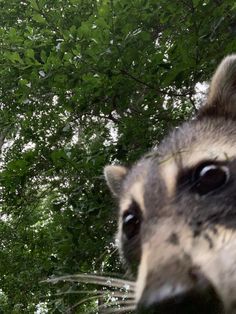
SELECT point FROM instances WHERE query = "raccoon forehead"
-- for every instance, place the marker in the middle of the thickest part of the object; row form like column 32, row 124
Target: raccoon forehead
column 133, row 186
column 194, row 153
column 135, row 193
column 200, row 139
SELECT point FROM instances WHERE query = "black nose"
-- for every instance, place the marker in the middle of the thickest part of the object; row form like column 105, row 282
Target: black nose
column 200, row 298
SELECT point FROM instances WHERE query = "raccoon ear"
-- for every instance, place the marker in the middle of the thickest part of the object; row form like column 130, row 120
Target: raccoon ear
column 114, row 176
column 221, row 100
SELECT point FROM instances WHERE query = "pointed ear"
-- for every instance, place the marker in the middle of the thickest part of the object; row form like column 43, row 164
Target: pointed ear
column 114, row 176
column 221, row 99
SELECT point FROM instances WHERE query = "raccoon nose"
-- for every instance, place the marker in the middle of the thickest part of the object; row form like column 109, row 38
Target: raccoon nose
column 200, row 298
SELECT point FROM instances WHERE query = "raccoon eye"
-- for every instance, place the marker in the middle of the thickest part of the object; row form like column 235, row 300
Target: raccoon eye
column 132, row 221
column 210, row 177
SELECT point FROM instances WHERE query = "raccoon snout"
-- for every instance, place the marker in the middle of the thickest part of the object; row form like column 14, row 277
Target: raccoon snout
column 177, row 298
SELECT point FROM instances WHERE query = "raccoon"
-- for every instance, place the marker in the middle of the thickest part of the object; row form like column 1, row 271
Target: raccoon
column 177, row 210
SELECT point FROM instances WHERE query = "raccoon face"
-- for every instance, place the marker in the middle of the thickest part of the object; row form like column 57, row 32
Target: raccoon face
column 177, row 211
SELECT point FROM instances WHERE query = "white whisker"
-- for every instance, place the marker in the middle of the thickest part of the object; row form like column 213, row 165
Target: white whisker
column 124, row 309
column 81, row 302
column 116, row 294
column 99, row 280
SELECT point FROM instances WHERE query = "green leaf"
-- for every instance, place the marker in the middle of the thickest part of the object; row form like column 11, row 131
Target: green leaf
column 39, row 18
column 43, row 56
column 18, row 165
column 29, row 53
column 59, row 157
column 34, row 5
column 196, row 2
column 13, row 56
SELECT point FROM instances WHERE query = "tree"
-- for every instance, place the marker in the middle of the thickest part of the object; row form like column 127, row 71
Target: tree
column 85, row 83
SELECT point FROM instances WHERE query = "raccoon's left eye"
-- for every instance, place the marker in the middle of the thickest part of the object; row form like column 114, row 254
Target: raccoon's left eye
column 132, row 221
column 210, row 177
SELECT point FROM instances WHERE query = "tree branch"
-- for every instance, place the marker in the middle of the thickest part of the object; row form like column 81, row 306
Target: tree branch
column 163, row 92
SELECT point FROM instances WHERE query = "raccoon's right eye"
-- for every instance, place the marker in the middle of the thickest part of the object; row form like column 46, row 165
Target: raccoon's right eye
column 209, row 177
column 132, row 221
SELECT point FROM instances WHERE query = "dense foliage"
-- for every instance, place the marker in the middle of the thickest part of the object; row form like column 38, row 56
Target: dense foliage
column 85, row 83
